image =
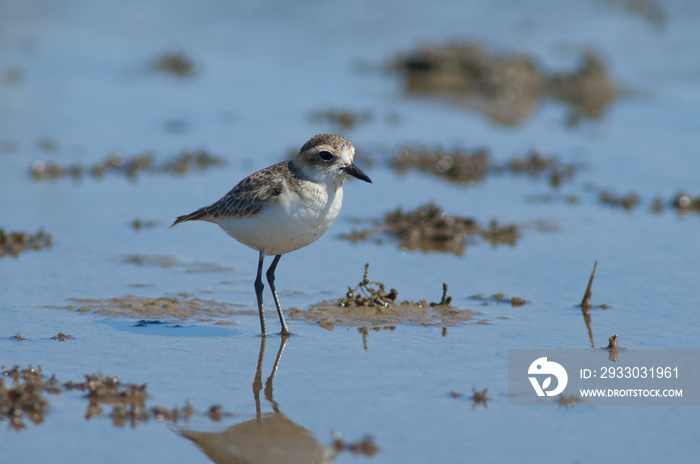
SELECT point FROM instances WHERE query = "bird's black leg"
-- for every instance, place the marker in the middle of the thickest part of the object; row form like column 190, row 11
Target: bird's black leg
column 271, row 280
column 259, row 292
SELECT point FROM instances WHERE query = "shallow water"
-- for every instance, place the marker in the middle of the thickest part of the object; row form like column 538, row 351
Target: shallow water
column 85, row 86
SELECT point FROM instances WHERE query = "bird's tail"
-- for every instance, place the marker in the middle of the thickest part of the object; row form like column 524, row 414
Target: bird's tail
column 201, row 213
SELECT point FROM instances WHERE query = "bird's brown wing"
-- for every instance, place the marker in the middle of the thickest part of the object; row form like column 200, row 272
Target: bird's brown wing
column 246, row 198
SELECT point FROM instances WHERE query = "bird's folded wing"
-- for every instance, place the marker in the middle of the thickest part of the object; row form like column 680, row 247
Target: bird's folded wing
column 246, row 198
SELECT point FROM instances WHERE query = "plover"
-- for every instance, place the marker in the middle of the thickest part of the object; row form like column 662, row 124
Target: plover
column 286, row 206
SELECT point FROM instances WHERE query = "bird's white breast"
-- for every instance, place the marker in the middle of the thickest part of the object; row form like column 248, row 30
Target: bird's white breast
column 292, row 220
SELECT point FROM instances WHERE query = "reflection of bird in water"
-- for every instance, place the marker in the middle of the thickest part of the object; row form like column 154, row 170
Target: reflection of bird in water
column 269, row 438
column 272, row 438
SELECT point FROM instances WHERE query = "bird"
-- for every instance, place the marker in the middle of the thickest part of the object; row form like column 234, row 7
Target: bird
column 285, row 207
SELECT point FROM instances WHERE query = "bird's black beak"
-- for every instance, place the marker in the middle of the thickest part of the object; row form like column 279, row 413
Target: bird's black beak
column 356, row 172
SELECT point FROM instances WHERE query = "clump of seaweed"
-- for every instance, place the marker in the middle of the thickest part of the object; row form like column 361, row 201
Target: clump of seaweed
column 365, row 447
column 13, row 243
column 369, row 293
column 428, row 228
column 569, row 401
column 138, row 223
column 105, row 389
column 166, row 262
column 369, row 304
column 458, row 165
column 684, row 203
column 651, row 11
column 344, row 119
column 25, row 398
column 464, row 74
column 128, row 166
column 536, row 164
column 176, row 64
column 62, row 337
column 498, row 298
column 589, row 89
column 627, row 202
column 613, row 344
column 168, row 309
column 128, row 401
column 506, row 88
column 477, row 397
column 496, row 234
column 465, row 167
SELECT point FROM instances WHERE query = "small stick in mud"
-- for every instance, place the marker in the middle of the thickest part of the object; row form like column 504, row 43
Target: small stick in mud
column 586, row 302
column 446, row 300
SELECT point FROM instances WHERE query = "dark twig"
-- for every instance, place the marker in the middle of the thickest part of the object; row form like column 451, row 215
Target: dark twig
column 586, row 302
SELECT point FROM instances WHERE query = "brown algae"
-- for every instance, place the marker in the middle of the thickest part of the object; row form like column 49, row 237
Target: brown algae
column 479, row 398
column 498, row 298
column 175, row 63
column 364, row 447
column 130, row 167
column 138, row 223
column 428, row 228
column 343, row 119
column 168, row 309
column 613, row 344
column 684, row 203
column 459, row 165
column 14, row 243
column 166, row 262
column 681, row 202
column 27, row 398
column 370, row 304
column 468, row 166
column 507, row 88
column 627, row 202
column 569, row 401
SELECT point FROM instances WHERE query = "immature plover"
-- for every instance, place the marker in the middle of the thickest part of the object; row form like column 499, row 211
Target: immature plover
column 286, row 206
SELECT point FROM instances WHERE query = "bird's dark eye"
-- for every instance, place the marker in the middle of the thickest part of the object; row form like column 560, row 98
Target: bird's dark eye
column 325, row 155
